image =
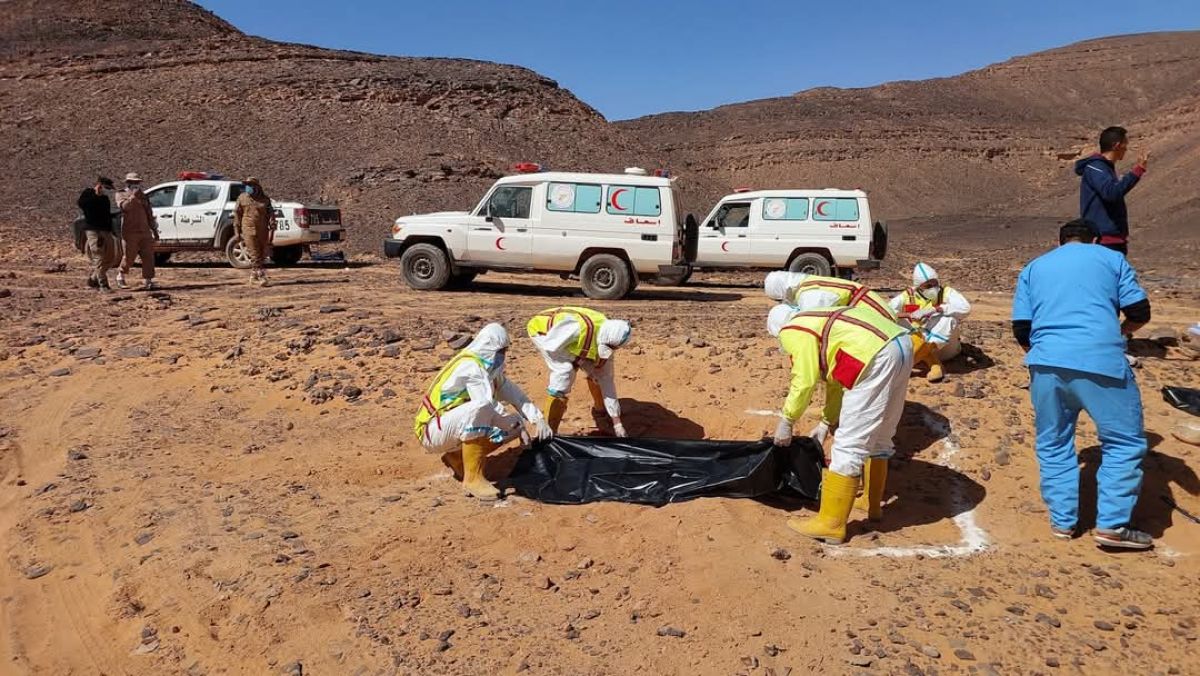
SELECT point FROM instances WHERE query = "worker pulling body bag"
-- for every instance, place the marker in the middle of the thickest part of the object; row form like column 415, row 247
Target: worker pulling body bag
column 574, row 339
column 870, row 358
column 462, row 414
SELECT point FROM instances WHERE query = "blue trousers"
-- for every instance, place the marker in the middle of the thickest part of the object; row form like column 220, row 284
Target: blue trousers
column 1115, row 406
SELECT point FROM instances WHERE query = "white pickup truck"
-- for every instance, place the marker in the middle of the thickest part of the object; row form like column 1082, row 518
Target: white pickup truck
column 609, row 230
column 197, row 215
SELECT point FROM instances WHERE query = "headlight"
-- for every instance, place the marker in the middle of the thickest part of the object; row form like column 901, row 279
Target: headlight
column 396, row 228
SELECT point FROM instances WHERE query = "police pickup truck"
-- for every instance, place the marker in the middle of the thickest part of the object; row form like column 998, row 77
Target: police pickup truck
column 195, row 213
column 607, row 230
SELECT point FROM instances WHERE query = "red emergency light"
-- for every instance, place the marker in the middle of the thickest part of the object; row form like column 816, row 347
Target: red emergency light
column 527, row 167
column 742, row 189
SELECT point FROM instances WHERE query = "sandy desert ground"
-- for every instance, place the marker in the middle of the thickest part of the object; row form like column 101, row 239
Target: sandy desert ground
column 219, row 479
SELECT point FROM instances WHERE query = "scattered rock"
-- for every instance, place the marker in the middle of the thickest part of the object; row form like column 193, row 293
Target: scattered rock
column 133, row 352
column 696, row 341
column 1002, row 456
column 330, row 309
column 1096, row 644
column 391, row 351
column 87, row 353
column 1049, row 620
column 931, row 651
column 54, row 268
column 352, row 392
column 671, row 631
column 1103, row 626
column 780, row 554
column 5, row 293
column 861, row 661
column 76, row 454
column 1052, row 661
column 36, row 570
column 293, row 669
column 964, row 654
column 460, row 342
column 78, row 506
column 143, row 537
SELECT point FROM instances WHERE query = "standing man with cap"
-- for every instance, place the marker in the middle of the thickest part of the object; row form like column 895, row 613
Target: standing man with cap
column 100, row 245
column 1102, row 193
column 254, row 219
column 937, row 313
column 139, row 230
column 1066, row 315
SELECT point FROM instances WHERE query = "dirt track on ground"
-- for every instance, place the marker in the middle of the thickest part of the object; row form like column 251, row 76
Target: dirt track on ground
column 221, row 479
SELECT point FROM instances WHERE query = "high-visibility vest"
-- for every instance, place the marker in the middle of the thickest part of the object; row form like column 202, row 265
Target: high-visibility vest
column 438, row 401
column 586, row 343
column 850, row 294
column 846, row 340
column 914, row 301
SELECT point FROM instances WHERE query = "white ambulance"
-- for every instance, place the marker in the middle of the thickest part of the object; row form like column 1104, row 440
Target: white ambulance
column 608, row 230
column 821, row 232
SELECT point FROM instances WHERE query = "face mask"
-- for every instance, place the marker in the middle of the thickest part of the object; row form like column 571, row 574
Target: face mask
column 133, row 187
column 931, row 292
column 249, row 190
column 498, row 362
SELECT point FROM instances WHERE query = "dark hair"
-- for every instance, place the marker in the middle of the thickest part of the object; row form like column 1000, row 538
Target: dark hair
column 105, row 181
column 1109, row 138
column 1079, row 229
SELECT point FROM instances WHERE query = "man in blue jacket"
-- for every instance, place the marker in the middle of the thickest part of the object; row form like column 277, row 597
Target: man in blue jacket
column 1067, row 315
column 1102, row 193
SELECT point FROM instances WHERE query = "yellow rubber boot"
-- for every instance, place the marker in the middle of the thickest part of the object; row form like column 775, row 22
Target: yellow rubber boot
column 936, row 374
column 454, row 460
column 837, row 498
column 554, row 410
column 474, row 455
column 874, row 479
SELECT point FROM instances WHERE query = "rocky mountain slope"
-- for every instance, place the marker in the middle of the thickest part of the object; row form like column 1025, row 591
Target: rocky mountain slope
column 162, row 86
column 997, row 141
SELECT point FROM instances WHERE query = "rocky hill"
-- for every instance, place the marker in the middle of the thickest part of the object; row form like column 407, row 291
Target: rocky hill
column 997, row 141
column 158, row 86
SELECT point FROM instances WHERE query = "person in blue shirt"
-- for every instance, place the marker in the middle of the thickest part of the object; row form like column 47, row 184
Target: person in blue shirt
column 1066, row 315
column 1102, row 193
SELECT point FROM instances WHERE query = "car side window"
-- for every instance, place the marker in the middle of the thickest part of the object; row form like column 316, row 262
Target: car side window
column 163, row 197
column 510, row 201
column 734, row 215
column 200, row 194
column 835, row 209
column 785, row 209
column 235, row 191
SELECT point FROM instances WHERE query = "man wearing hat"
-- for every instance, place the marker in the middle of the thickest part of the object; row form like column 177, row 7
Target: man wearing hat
column 254, row 219
column 101, row 246
column 139, row 230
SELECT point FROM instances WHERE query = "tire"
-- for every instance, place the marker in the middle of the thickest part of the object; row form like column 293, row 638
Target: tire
column 161, row 258
column 674, row 280
column 812, row 264
column 463, row 279
column 237, row 254
column 605, row 277
column 287, row 255
column 425, row 267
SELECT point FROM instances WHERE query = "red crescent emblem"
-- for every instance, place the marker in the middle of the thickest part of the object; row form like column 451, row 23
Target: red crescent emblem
column 612, row 198
column 725, row 246
column 499, row 244
column 821, row 208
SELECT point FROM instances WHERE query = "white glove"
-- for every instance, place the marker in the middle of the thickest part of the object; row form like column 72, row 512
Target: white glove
column 619, row 430
column 924, row 313
column 525, row 441
column 820, row 432
column 543, row 430
column 783, row 433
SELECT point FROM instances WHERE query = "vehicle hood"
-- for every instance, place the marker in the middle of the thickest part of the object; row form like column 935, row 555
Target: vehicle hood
column 435, row 217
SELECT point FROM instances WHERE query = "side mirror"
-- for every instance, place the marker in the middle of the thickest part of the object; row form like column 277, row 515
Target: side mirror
column 488, row 214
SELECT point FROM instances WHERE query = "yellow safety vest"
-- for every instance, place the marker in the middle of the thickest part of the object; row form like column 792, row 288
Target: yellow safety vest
column 850, row 294
column 586, row 343
column 914, row 301
column 437, row 401
column 833, row 345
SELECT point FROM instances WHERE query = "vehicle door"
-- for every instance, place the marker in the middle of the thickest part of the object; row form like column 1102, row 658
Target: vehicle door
column 725, row 236
column 199, row 210
column 838, row 229
column 163, row 199
column 500, row 233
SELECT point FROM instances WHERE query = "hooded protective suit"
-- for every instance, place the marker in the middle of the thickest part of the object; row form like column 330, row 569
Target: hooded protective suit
column 466, row 399
column 810, row 292
column 575, row 338
column 936, row 313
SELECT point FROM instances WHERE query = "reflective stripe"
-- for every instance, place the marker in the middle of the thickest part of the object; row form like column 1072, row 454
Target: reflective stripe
column 858, row 294
column 586, row 342
column 823, row 338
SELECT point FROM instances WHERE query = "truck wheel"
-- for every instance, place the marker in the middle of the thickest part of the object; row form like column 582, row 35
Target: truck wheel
column 605, row 277
column 162, row 258
column 673, row 280
column 287, row 255
column 811, row 264
column 237, row 253
column 463, row 279
column 425, row 267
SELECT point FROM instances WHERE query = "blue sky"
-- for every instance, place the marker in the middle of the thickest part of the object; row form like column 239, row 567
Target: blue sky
column 628, row 58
